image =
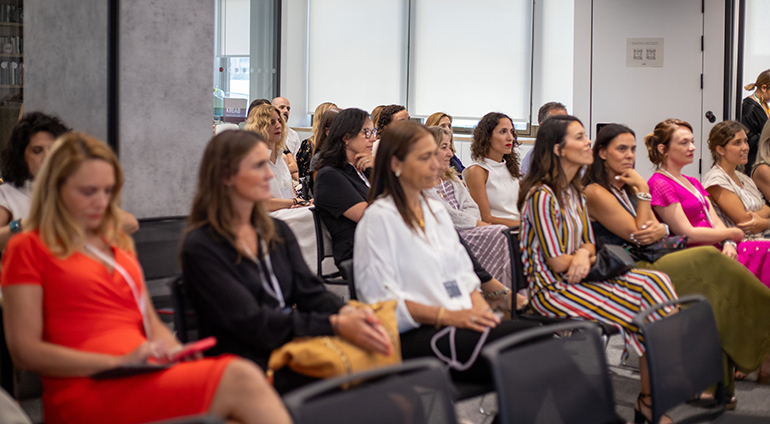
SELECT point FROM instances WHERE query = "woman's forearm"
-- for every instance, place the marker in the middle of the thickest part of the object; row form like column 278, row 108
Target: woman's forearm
column 58, row 361
column 275, row 204
column 423, row 314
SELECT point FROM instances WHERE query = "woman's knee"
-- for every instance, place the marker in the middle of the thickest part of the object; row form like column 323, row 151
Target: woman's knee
column 242, row 375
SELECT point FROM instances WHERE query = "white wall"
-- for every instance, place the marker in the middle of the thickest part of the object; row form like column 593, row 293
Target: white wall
column 294, row 60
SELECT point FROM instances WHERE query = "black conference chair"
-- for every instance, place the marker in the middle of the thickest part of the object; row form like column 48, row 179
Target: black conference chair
column 346, row 271
column 185, row 322
column 541, row 379
column 414, row 392
column 331, row 278
column 684, row 357
column 520, row 282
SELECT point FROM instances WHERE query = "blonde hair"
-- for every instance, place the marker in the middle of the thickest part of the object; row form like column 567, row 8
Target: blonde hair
column 258, row 121
column 438, row 134
column 58, row 228
column 319, row 112
column 434, row 119
column 376, row 116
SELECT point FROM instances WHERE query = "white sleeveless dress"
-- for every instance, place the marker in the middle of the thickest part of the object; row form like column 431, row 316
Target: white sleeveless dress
column 502, row 189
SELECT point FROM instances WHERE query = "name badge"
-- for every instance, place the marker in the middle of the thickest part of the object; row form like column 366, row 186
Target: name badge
column 452, row 289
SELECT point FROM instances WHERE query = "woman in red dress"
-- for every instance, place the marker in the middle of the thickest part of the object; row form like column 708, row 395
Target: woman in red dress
column 75, row 304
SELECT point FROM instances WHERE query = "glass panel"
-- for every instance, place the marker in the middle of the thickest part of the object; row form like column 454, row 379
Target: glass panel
column 11, row 65
column 756, row 49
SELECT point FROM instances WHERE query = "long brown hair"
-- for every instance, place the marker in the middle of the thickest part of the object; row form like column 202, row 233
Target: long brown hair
column 319, row 112
column 721, row 134
column 482, row 141
column 58, row 229
column 597, row 173
column 546, row 167
column 212, row 204
column 397, row 141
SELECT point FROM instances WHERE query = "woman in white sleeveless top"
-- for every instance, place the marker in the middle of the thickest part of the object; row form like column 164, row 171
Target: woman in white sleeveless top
column 493, row 177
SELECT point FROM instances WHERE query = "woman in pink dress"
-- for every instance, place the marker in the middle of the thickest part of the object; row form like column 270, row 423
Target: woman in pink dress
column 682, row 203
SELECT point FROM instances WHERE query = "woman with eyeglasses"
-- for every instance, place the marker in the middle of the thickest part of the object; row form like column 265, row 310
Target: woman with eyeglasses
column 342, row 182
column 493, row 177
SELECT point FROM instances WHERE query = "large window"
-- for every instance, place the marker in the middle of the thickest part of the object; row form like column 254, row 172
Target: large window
column 463, row 58
column 756, row 49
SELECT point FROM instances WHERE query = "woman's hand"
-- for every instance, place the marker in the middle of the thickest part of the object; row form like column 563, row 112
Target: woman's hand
column 736, row 234
column 363, row 161
column 633, row 179
column 476, row 319
column 579, row 267
column 729, row 251
column 143, row 353
column 755, row 225
column 650, row 233
column 362, row 328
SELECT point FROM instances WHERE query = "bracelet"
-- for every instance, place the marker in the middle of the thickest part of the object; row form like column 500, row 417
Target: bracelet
column 644, row 196
column 15, row 226
column 295, row 201
column 494, row 294
column 438, row 318
column 730, row 242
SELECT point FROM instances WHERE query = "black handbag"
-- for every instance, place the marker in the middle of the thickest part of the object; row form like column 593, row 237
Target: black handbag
column 611, row 261
column 653, row 252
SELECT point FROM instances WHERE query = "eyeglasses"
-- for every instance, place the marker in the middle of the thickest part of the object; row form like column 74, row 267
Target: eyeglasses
column 369, row 132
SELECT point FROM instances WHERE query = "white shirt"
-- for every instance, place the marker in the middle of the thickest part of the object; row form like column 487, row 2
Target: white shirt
column 393, row 261
column 502, row 189
column 16, row 199
column 293, row 142
column 281, row 186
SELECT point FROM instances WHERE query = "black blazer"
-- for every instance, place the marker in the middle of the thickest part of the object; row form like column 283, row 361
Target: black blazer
column 231, row 304
column 754, row 118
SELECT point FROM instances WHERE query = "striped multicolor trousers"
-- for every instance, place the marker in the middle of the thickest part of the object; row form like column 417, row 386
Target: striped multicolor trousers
column 615, row 301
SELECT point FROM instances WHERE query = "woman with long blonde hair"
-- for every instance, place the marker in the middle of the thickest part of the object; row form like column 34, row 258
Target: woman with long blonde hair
column 308, row 146
column 75, row 304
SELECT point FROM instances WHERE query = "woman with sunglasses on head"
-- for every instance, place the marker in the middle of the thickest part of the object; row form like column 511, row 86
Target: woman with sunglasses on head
column 493, row 177
column 342, row 182
column 250, row 287
column 558, row 247
column 406, row 249
column 683, row 204
column 75, row 304
column 621, row 214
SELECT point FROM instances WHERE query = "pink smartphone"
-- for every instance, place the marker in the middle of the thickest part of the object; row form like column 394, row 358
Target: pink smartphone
column 193, row 348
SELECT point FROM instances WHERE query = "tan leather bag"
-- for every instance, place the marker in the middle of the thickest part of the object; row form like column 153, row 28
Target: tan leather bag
column 331, row 356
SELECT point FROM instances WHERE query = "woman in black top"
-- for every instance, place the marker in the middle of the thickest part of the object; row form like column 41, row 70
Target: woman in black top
column 342, row 182
column 248, row 282
column 754, row 113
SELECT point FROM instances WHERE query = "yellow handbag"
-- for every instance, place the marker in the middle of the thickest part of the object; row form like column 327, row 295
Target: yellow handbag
column 331, row 356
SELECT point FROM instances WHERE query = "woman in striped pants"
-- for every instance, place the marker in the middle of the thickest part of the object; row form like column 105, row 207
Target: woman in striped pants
column 558, row 246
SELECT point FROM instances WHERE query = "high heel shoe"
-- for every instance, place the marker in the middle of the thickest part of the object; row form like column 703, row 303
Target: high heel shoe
column 643, row 411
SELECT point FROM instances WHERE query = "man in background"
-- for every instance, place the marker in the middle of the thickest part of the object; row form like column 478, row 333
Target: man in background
column 546, row 111
column 292, row 138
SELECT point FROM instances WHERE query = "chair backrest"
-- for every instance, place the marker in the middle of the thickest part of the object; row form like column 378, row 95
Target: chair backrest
column 684, row 354
column 415, row 392
column 346, row 270
column 185, row 322
column 157, row 246
column 321, row 253
column 517, row 267
column 543, row 379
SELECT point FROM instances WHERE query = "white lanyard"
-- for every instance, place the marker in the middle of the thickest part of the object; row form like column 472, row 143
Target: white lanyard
column 694, row 192
column 131, row 283
column 622, row 197
column 741, row 192
column 362, row 176
column 275, row 291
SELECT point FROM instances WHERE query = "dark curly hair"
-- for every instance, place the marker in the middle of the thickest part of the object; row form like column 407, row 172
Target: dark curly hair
column 482, row 140
column 347, row 124
column 12, row 164
column 386, row 116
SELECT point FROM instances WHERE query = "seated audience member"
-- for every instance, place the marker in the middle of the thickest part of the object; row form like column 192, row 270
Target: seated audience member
column 252, row 105
column 321, row 138
column 20, row 161
column 552, row 204
column 760, row 172
column 266, row 121
column 248, row 282
column 755, row 112
column 547, row 110
column 618, row 204
column 407, row 249
column 388, row 114
column 307, row 148
column 292, row 138
column 75, row 304
column 376, row 114
column 681, row 202
column 487, row 242
column 493, row 177
column 443, row 120
column 343, row 178
column 736, row 199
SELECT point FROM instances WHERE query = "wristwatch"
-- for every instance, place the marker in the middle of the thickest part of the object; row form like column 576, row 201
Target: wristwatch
column 668, row 233
column 730, row 242
column 15, row 226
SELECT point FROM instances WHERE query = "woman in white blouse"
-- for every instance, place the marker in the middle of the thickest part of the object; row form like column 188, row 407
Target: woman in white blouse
column 735, row 197
column 266, row 121
column 406, row 248
column 493, row 177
